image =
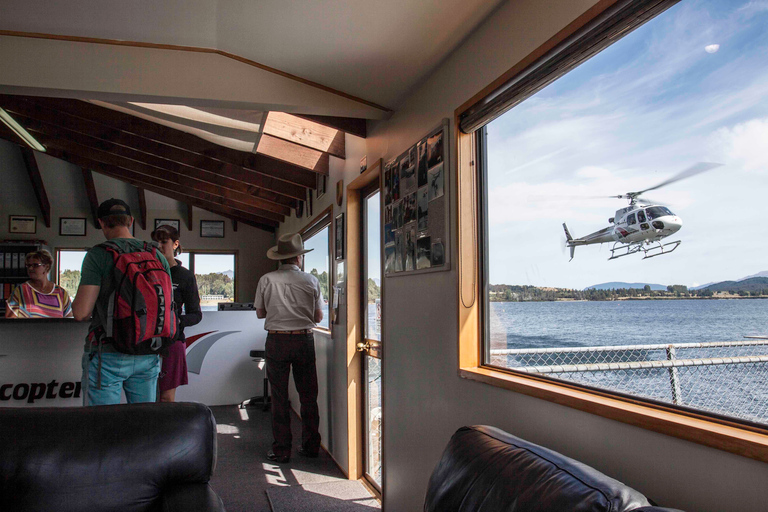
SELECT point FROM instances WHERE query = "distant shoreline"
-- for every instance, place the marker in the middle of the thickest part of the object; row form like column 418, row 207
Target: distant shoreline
column 614, row 299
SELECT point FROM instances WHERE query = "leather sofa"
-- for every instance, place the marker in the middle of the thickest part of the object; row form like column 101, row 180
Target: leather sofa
column 484, row 469
column 136, row 458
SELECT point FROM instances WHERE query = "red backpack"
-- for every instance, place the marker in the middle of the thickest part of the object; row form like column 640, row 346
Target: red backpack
column 141, row 318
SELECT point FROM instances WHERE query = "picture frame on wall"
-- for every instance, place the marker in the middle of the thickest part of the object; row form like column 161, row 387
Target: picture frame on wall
column 72, row 226
column 176, row 223
column 211, row 229
column 322, row 185
column 339, row 235
column 22, row 224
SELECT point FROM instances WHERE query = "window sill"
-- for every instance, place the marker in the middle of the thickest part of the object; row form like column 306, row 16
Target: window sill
column 747, row 441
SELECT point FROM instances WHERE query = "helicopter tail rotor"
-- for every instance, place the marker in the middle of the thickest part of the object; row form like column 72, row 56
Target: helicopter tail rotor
column 568, row 240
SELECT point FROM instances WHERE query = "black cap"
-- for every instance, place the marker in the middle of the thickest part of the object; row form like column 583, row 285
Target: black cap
column 113, row 207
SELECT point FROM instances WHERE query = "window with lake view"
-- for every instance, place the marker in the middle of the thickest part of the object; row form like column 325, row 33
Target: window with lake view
column 623, row 221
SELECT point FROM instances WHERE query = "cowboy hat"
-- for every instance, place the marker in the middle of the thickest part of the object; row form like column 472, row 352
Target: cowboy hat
column 288, row 246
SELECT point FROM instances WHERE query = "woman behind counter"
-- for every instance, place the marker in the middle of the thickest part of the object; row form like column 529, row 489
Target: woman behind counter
column 174, row 370
column 38, row 297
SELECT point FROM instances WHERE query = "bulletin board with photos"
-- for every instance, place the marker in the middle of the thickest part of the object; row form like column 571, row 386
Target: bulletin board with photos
column 416, row 209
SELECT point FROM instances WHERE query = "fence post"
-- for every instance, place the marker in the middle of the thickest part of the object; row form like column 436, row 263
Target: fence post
column 674, row 381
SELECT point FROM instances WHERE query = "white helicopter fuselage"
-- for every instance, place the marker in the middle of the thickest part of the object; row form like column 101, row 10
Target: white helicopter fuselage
column 632, row 227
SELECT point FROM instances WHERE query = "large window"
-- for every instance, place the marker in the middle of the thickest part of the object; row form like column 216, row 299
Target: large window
column 587, row 281
column 69, row 263
column 317, row 237
column 618, row 201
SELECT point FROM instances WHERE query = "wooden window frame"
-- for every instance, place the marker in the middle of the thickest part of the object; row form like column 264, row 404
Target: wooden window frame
column 318, row 223
column 723, row 433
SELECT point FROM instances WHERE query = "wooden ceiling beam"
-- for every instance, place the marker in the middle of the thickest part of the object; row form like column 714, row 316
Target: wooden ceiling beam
column 140, row 176
column 273, row 147
column 148, row 151
column 90, row 191
column 125, row 122
column 350, row 125
column 121, row 156
column 142, row 208
column 36, row 179
column 121, row 175
column 305, row 133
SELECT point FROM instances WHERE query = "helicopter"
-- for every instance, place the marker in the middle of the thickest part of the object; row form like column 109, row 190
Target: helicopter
column 642, row 225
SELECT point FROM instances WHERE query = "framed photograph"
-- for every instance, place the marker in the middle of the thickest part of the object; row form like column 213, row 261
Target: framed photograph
column 211, row 229
column 339, row 231
column 322, row 185
column 26, row 224
column 72, row 226
column 169, row 222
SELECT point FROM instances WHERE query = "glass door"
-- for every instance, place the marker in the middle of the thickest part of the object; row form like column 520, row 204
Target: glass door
column 371, row 298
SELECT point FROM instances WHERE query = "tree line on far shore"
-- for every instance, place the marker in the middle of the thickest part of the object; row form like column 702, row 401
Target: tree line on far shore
column 525, row 293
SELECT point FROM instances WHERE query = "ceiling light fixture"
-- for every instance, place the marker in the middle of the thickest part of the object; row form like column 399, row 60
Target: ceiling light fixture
column 19, row 130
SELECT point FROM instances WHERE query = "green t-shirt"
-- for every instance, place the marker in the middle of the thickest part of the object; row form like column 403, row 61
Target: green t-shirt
column 98, row 267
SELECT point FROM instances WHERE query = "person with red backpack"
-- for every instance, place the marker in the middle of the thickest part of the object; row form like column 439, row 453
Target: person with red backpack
column 126, row 291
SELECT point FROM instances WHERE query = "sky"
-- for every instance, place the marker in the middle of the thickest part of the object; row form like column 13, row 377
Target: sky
column 689, row 86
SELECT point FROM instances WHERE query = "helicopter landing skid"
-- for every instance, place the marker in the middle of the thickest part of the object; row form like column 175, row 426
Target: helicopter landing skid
column 657, row 249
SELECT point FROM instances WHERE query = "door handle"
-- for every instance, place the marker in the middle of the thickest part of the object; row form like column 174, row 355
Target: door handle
column 363, row 347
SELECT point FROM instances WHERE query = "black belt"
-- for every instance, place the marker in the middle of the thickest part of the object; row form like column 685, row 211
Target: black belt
column 302, row 331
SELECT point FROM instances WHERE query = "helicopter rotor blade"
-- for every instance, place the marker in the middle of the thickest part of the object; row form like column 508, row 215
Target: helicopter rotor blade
column 695, row 169
column 646, row 200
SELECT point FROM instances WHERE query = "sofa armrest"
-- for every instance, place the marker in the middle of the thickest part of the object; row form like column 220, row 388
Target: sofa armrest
column 197, row 497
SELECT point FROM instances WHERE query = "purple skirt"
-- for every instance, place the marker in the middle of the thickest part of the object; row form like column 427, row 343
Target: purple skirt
column 174, row 371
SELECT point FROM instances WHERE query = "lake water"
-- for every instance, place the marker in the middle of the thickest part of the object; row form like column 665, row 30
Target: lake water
column 626, row 322
column 739, row 390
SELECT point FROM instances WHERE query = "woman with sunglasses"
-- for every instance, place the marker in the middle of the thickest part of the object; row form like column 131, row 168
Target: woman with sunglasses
column 174, row 370
column 38, row 297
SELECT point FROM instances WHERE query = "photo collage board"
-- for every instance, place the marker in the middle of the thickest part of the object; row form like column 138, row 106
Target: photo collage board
column 416, row 207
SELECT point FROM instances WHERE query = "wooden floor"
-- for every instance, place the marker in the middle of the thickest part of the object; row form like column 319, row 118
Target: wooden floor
column 243, row 473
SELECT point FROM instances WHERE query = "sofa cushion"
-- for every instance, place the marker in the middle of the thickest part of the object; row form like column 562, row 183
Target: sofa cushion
column 486, row 469
column 115, row 457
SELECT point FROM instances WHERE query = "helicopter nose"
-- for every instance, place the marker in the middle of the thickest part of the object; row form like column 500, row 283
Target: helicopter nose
column 668, row 224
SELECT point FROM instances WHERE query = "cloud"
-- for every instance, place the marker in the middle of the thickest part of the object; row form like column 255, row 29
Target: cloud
column 711, row 48
column 744, row 145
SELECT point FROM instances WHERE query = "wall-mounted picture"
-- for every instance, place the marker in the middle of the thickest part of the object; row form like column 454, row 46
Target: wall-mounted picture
column 339, row 231
column 399, row 251
column 421, row 167
column 407, row 176
column 409, row 208
column 435, row 149
column 22, row 224
column 168, row 222
column 423, row 258
column 364, row 164
column 395, row 183
column 438, row 254
column 211, row 229
column 423, row 208
column 436, row 183
column 410, row 249
column 322, row 185
column 387, row 185
column 72, row 226
column 389, row 258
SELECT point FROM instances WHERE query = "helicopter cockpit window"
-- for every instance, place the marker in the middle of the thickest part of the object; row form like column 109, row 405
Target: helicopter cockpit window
column 654, row 212
column 676, row 117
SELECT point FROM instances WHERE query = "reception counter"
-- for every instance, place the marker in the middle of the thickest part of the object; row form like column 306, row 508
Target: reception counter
column 40, row 360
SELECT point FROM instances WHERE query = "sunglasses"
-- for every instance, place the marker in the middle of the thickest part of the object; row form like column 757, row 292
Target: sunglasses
column 34, row 265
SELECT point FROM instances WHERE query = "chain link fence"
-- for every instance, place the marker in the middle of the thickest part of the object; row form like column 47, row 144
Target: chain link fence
column 729, row 378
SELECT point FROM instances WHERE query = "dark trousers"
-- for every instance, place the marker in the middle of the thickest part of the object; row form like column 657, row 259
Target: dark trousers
column 284, row 351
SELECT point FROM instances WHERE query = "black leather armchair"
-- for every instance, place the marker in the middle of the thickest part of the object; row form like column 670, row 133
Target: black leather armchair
column 484, row 469
column 141, row 457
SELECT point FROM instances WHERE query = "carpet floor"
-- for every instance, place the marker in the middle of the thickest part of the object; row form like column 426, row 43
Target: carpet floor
column 244, row 475
column 346, row 496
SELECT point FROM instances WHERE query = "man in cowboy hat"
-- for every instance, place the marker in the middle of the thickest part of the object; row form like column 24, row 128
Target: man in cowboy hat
column 291, row 302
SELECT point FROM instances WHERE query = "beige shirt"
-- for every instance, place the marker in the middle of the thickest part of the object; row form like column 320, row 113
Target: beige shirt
column 290, row 297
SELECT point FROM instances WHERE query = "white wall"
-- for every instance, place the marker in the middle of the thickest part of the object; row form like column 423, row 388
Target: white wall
column 66, row 193
column 424, row 399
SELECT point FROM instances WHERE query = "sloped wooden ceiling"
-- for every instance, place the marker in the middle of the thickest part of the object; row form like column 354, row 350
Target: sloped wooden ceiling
column 257, row 188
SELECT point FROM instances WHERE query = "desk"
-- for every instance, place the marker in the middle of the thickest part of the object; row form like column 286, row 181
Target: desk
column 40, row 360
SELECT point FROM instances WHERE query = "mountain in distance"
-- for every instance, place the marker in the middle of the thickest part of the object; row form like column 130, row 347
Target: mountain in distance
column 615, row 285
column 229, row 273
column 752, row 284
column 764, row 273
